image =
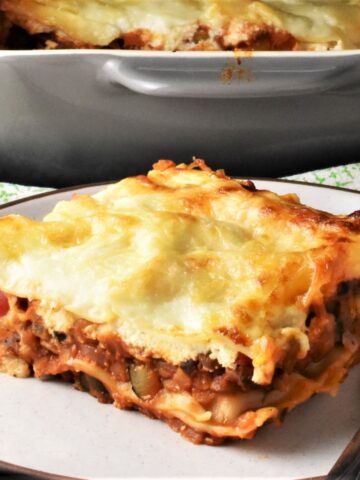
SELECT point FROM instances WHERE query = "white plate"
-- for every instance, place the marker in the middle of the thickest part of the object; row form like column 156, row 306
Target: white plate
column 50, row 427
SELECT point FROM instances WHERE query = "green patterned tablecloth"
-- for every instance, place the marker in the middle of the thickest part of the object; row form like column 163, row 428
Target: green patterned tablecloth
column 10, row 191
column 345, row 176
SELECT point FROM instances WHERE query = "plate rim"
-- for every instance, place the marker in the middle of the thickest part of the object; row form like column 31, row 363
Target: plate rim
column 40, row 474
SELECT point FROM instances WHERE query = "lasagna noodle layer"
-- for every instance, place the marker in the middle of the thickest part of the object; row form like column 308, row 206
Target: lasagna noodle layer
column 194, row 24
column 198, row 399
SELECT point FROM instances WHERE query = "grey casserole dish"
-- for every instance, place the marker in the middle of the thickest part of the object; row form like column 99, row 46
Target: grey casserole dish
column 77, row 116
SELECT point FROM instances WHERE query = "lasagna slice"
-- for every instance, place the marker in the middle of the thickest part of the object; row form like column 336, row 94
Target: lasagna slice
column 190, row 296
column 192, row 24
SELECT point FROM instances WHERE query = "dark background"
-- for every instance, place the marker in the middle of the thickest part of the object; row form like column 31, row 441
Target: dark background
column 108, row 166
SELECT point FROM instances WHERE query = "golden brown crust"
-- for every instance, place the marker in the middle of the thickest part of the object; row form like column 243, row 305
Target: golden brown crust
column 335, row 227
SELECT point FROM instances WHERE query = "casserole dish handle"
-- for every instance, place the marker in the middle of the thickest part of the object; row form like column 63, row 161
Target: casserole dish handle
column 212, row 77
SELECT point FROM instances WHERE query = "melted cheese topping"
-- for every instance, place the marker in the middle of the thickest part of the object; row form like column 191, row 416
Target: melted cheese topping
column 170, row 25
column 183, row 262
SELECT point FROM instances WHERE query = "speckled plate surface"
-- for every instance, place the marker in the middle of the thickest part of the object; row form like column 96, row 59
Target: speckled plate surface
column 50, row 427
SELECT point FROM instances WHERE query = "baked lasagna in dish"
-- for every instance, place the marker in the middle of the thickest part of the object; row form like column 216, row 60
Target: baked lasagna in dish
column 191, row 24
column 190, row 296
